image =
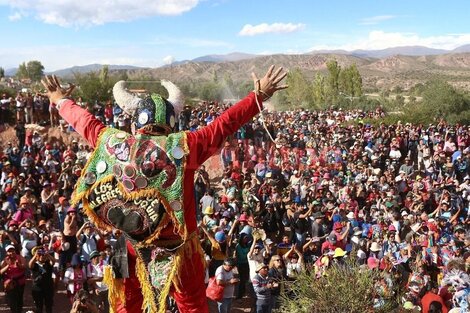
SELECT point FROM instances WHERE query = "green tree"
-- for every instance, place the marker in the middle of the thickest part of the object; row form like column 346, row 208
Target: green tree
column 95, row 86
column 334, row 71
column 210, row 91
column 318, row 90
column 298, row 93
column 356, row 79
column 33, row 70
column 22, row 71
column 2, row 72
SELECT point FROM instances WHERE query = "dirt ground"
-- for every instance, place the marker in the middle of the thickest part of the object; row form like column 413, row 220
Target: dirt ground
column 50, row 134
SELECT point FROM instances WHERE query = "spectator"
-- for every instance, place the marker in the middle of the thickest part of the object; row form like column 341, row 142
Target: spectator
column 13, row 269
column 225, row 277
column 263, row 287
column 42, row 289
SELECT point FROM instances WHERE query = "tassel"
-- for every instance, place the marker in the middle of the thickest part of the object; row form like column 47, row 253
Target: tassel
column 148, row 305
column 115, row 288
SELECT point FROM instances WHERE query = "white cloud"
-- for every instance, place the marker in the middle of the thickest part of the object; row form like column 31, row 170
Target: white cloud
column 92, row 12
column 15, row 17
column 169, row 59
column 375, row 19
column 264, row 28
column 378, row 39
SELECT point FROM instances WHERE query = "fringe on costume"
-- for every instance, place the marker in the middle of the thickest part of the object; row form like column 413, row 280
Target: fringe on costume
column 115, row 289
column 183, row 254
column 148, row 304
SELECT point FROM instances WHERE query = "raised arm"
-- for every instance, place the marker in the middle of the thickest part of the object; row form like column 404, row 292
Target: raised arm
column 210, row 138
column 80, row 119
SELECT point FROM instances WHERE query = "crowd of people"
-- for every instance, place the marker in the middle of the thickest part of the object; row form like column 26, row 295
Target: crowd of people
column 301, row 191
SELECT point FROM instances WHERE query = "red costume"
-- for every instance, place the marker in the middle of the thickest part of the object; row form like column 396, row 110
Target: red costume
column 189, row 293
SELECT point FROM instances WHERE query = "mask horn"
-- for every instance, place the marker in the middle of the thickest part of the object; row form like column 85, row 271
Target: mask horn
column 126, row 100
column 175, row 96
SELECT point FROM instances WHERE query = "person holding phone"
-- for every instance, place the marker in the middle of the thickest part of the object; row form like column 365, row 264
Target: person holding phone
column 42, row 288
column 225, row 277
column 12, row 269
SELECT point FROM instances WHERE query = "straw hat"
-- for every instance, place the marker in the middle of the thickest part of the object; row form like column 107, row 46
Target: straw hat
column 375, row 247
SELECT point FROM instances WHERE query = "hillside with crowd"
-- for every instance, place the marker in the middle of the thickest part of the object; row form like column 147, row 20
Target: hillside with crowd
column 301, row 191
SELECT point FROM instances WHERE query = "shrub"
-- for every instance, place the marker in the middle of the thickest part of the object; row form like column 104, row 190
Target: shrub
column 347, row 288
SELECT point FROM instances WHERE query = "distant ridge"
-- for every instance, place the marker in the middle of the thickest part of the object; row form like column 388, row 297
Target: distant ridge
column 383, row 53
column 91, row 68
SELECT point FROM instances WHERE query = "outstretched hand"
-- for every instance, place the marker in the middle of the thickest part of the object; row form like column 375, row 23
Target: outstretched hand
column 268, row 85
column 55, row 91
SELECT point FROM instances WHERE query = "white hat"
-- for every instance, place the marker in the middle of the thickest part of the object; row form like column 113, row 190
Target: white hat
column 398, row 179
column 375, row 247
column 404, row 213
column 10, row 247
column 350, row 215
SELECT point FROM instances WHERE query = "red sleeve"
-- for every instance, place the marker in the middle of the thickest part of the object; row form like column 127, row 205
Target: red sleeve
column 88, row 126
column 205, row 142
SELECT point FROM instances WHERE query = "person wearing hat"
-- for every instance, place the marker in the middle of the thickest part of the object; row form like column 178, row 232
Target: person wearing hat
column 224, row 276
column 24, row 211
column 220, row 244
column 88, row 240
column 375, row 251
column 153, row 124
column 13, row 269
column 31, row 198
column 95, row 272
column 294, row 262
column 262, row 286
column 207, row 201
column 338, row 256
column 341, row 236
column 208, row 220
column 330, row 244
column 226, row 155
column 47, row 200
column 255, row 256
column 42, row 289
column 317, row 229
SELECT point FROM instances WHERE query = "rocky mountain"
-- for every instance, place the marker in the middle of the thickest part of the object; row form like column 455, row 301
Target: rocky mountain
column 387, row 68
column 387, row 72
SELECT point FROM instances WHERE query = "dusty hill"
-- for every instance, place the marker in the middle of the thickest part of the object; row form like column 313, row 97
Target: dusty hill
column 386, row 72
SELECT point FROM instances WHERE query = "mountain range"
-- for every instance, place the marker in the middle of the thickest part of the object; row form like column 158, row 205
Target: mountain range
column 398, row 66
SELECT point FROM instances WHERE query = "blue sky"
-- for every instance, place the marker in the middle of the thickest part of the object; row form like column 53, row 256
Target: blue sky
column 152, row 33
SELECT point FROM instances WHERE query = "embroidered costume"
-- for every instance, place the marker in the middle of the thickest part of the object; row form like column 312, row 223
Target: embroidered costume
column 143, row 184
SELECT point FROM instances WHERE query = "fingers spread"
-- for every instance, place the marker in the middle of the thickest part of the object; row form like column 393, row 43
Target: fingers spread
column 56, row 80
column 281, row 87
column 277, row 72
column 270, row 71
column 278, row 79
column 44, row 83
